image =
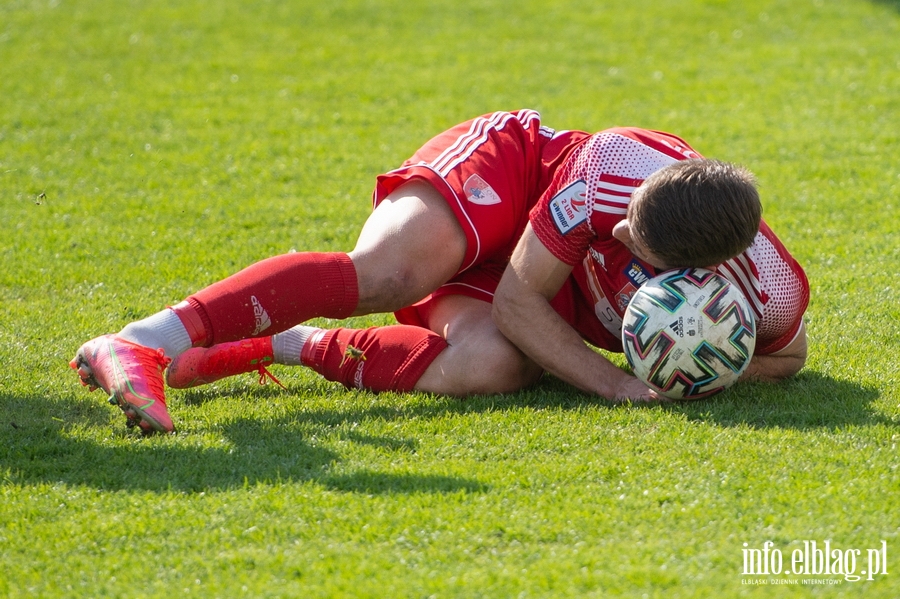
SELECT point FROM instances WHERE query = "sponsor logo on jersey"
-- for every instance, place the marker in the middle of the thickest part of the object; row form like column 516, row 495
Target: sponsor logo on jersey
column 263, row 321
column 624, row 296
column 479, row 192
column 636, row 273
column 568, row 208
column 598, row 257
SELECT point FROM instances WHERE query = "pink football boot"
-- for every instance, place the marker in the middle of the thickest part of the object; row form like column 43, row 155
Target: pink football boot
column 132, row 376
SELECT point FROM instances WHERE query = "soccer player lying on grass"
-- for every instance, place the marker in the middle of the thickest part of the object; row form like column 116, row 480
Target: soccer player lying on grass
column 501, row 246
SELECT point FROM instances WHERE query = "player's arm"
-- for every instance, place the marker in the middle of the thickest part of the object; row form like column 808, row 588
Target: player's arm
column 779, row 365
column 523, row 314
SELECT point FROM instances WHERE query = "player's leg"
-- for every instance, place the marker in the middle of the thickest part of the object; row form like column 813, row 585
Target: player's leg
column 478, row 358
column 387, row 358
column 461, row 354
column 464, row 354
column 462, row 198
column 410, row 246
column 452, row 328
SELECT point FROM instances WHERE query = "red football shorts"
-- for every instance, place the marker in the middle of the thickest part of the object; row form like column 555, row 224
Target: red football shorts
column 489, row 171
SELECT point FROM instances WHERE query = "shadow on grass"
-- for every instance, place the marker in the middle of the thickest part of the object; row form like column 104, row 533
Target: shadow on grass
column 806, row 401
column 37, row 446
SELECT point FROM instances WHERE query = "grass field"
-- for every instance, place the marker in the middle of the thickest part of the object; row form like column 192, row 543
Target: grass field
column 150, row 148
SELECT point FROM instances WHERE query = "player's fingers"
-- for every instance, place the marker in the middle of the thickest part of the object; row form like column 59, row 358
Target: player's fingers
column 634, row 391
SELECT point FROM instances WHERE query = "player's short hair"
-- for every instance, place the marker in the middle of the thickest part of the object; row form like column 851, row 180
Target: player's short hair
column 696, row 213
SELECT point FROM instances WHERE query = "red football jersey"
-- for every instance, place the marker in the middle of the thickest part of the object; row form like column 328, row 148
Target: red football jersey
column 589, row 194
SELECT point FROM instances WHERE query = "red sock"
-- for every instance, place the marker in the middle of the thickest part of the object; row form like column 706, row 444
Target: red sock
column 271, row 296
column 389, row 358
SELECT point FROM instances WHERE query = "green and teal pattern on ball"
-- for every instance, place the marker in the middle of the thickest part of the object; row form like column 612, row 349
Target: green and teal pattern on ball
column 688, row 333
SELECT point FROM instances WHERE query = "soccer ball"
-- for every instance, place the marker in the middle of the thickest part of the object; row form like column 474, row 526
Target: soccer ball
column 688, row 333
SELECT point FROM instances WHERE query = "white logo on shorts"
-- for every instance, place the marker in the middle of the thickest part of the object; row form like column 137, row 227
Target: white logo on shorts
column 479, row 192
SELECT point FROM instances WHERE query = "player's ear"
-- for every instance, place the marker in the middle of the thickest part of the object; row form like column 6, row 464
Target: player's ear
column 622, row 232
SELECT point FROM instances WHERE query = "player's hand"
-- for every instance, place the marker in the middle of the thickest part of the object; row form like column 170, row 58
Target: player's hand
column 635, row 391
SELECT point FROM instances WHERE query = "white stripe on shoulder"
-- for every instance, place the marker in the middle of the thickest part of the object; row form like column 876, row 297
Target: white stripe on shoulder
column 609, row 209
column 626, row 189
column 740, row 275
column 606, row 197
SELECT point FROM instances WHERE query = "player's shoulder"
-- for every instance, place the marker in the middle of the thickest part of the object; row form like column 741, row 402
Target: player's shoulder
column 766, row 270
column 625, row 156
column 768, row 251
column 636, row 139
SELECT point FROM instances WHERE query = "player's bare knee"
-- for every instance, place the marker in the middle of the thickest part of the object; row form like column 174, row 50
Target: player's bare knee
column 388, row 286
column 504, row 369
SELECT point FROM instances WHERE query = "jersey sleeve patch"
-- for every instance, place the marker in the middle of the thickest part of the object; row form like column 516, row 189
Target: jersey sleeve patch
column 568, row 208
